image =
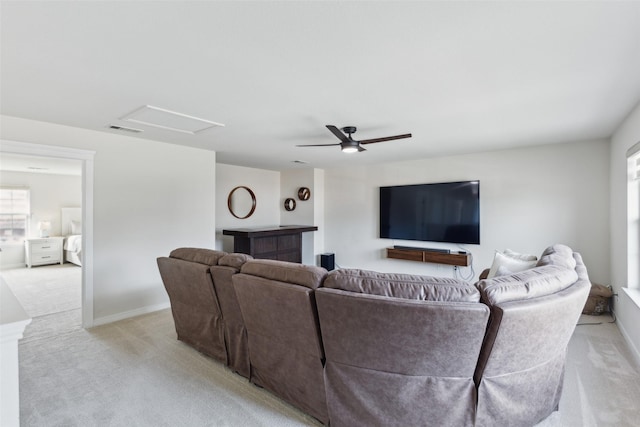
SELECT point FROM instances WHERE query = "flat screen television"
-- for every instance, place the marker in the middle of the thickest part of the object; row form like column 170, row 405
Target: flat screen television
column 443, row 212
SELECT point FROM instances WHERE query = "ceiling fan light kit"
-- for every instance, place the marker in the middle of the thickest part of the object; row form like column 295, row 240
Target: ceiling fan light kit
column 350, row 145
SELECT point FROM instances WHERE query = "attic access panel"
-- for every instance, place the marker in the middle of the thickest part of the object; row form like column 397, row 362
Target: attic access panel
column 169, row 120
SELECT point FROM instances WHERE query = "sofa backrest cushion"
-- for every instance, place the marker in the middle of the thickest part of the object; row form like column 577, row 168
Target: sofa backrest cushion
column 405, row 286
column 304, row 275
column 189, row 283
column 404, row 336
column 558, row 255
column 402, row 362
column 234, row 329
column 528, row 284
column 199, row 255
column 281, row 319
column 235, row 260
column 194, row 305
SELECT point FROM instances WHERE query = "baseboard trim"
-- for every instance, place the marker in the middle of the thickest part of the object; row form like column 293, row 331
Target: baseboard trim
column 634, row 297
column 12, row 266
column 128, row 314
column 633, row 350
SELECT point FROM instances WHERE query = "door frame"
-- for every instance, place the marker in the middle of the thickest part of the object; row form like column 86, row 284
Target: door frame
column 86, row 157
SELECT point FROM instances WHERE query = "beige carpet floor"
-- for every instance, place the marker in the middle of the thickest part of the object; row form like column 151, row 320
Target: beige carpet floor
column 51, row 295
column 135, row 373
column 602, row 379
column 46, row 289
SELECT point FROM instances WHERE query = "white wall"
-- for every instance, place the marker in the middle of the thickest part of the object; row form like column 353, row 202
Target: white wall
column 530, row 198
column 305, row 212
column 319, row 197
column 149, row 198
column 628, row 311
column 290, row 181
column 266, row 186
column 48, row 194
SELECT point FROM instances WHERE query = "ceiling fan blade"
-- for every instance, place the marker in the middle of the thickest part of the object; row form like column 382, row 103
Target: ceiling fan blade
column 337, row 132
column 361, row 148
column 317, row 145
column 387, row 138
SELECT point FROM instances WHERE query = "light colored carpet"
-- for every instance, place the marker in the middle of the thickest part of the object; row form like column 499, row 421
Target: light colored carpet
column 602, row 383
column 46, row 289
column 53, row 324
column 136, row 373
column 51, row 295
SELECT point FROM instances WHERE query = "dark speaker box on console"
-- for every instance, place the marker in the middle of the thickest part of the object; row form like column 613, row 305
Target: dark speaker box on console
column 328, row 261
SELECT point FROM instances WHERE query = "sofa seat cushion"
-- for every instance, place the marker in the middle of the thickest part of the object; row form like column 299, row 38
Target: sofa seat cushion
column 405, row 286
column 558, row 254
column 199, row 255
column 528, row 284
column 289, row 272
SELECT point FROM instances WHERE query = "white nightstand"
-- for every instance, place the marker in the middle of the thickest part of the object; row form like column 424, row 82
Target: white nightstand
column 45, row 250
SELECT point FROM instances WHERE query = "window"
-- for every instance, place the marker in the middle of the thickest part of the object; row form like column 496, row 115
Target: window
column 14, row 215
column 633, row 216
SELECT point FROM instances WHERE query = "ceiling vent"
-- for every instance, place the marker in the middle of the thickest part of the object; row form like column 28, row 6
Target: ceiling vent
column 168, row 120
column 125, row 129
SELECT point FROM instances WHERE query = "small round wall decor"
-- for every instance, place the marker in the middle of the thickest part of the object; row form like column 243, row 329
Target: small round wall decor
column 289, row 204
column 304, row 193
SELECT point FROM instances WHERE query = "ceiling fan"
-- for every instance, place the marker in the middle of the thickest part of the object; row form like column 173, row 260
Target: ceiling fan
column 350, row 145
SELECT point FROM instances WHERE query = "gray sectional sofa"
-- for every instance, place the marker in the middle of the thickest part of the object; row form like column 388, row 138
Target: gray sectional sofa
column 360, row 348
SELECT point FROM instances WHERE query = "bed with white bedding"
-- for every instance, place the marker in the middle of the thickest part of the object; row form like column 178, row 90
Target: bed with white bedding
column 72, row 232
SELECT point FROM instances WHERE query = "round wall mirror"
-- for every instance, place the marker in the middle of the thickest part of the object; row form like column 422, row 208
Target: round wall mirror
column 289, row 204
column 304, row 193
column 241, row 202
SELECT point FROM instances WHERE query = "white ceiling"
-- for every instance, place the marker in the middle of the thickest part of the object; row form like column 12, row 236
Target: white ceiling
column 36, row 164
column 460, row 76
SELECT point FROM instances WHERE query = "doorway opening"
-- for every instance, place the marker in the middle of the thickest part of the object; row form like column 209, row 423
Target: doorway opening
column 85, row 159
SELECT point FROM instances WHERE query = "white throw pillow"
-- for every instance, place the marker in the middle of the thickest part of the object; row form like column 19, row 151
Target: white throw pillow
column 513, row 265
column 516, row 255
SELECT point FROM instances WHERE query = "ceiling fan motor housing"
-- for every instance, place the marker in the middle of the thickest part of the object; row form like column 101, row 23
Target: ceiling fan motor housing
column 349, row 129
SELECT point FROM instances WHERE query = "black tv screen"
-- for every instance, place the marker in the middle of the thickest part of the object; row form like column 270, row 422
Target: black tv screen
column 444, row 212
